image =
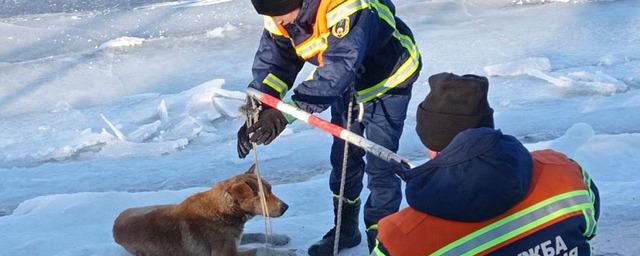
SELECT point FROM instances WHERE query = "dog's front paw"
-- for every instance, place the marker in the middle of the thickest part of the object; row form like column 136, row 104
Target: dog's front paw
column 279, row 239
column 265, row 251
column 274, row 239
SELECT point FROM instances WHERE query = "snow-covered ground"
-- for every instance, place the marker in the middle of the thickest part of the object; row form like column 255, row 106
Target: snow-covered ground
column 113, row 104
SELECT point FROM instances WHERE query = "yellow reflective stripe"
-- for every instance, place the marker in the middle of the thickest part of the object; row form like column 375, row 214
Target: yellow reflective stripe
column 347, row 200
column 345, row 10
column 405, row 70
column 270, row 26
column 276, row 83
column 590, row 220
column 317, row 45
column 373, row 227
column 384, row 13
column 408, row 68
column 589, row 214
column 377, row 251
column 518, row 223
column 313, row 47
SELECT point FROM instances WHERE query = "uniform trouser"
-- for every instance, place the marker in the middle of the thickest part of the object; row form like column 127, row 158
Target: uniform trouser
column 382, row 123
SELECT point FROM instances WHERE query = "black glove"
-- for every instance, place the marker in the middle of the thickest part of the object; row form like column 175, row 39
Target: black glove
column 402, row 170
column 271, row 122
column 244, row 145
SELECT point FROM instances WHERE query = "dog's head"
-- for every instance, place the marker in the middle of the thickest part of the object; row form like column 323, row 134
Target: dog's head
column 244, row 189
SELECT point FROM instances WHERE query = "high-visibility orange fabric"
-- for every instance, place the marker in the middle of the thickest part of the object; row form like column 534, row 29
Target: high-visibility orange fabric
column 411, row 232
column 320, row 25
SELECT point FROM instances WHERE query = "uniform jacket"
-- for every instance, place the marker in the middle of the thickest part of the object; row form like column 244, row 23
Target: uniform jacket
column 368, row 49
column 463, row 198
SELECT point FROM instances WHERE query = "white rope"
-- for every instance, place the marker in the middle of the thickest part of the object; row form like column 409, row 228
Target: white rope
column 252, row 117
column 345, row 157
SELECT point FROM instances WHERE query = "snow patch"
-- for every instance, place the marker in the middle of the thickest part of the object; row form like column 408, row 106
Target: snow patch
column 126, row 148
column 529, row 2
column 519, row 67
column 61, row 106
column 69, row 144
column 610, row 60
column 219, row 31
column 183, row 4
column 121, row 42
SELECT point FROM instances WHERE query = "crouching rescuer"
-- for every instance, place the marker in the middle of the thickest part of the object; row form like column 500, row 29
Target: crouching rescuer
column 482, row 192
column 364, row 55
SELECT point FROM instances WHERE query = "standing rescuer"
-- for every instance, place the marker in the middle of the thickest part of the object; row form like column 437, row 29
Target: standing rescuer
column 482, row 192
column 363, row 53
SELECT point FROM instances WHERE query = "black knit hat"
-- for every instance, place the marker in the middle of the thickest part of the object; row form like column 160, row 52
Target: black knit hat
column 275, row 7
column 454, row 104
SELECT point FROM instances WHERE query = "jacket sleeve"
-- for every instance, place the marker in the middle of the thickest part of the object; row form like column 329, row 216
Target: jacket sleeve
column 275, row 65
column 342, row 60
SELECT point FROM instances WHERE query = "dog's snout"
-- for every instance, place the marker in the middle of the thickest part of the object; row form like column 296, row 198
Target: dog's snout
column 284, row 207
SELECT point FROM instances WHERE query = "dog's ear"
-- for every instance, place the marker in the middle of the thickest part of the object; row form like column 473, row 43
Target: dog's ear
column 241, row 190
column 251, row 170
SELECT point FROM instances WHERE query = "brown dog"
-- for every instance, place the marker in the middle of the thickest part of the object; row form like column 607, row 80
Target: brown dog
column 207, row 223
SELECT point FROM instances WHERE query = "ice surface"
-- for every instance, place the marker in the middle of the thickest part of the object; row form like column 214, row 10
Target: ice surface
column 519, row 67
column 219, row 31
column 59, row 224
column 139, row 119
column 563, row 75
column 122, row 42
column 569, row 81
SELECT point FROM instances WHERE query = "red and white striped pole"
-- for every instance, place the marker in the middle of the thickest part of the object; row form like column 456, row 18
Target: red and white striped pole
column 333, row 129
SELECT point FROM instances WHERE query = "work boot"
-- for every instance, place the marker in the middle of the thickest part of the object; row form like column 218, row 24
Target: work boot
column 372, row 234
column 349, row 233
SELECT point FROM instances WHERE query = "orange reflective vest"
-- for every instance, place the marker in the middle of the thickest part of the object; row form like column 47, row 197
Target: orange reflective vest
column 317, row 42
column 333, row 17
column 559, row 190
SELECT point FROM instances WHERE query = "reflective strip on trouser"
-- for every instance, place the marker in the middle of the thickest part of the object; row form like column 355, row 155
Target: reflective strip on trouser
column 277, row 84
column 405, row 70
column 347, row 200
column 519, row 223
column 377, row 251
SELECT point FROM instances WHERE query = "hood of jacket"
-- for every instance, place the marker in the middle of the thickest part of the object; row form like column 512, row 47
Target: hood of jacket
column 481, row 174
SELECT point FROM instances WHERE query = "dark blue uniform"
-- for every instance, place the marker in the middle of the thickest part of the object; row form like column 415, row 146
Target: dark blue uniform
column 368, row 55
